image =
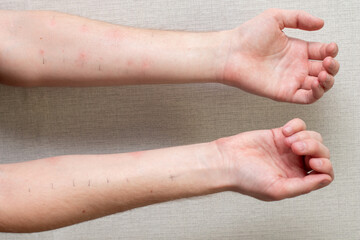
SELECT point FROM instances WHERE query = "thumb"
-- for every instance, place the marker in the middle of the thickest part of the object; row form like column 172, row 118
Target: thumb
column 297, row 186
column 296, row 19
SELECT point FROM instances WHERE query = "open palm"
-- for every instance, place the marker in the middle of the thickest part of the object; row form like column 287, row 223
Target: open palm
column 264, row 61
column 270, row 164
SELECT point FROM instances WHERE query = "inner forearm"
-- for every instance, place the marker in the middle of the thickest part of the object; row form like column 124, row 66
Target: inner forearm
column 54, row 49
column 56, row 192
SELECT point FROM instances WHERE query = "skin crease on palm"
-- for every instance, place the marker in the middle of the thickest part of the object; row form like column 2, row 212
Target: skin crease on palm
column 40, row 48
column 264, row 61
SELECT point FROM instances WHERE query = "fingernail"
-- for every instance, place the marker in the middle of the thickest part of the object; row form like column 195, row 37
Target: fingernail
column 288, row 130
column 291, row 139
column 318, row 163
column 301, row 146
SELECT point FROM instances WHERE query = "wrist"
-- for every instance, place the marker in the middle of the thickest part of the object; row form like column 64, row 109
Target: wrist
column 221, row 54
column 221, row 175
column 232, row 68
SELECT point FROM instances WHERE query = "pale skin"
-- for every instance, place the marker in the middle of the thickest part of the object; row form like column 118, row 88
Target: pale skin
column 267, row 164
column 54, row 49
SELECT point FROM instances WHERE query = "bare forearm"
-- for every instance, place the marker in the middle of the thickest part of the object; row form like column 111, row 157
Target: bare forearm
column 55, row 49
column 56, row 192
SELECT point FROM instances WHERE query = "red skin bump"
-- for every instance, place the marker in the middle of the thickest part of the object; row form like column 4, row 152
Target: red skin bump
column 137, row 154
column 84, row 28
column 82, row 59
column 146, row 63
column 83, row 211
column 52, row 160
column 114, row 34
column 53, row 22
column 130, row 62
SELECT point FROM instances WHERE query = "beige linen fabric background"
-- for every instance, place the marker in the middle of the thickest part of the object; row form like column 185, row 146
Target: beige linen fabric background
column 44, row 122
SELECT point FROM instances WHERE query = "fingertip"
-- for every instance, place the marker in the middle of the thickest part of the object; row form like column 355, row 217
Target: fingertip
column 316, row 181
column 326, row 80
column 322, row 165
column 287, row 130
column 316, row 163
column 332, row 49
column 296, row 19
column 324, row 182
column 331, row 65
column 290, row 140
column 317, row 89
column 320, row 22
column 322, row 77
column 298, row 147
column 328, row 62
column 311, row 22
column 293, row 126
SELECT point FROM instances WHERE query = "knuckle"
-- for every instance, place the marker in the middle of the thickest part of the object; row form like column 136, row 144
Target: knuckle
column 319, row 136
column 316, row 136
column 312, row 145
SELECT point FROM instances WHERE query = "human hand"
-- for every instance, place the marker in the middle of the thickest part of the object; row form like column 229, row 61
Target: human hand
column 271, row 164
column 264, row 61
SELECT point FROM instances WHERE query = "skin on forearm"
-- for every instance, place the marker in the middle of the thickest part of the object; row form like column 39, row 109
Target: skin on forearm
column 40, row 48
column 55, row 192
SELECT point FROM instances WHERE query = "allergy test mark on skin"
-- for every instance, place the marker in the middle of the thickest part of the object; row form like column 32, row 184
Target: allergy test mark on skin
column 84, row 28
column 73, row 182
column 100, row 66
column 52, row 186
column 172, row 177
column 107, row 180
column 81, row 59
column 89, row 183
column 42, row 53
column 53, row 21
column 63, row 57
